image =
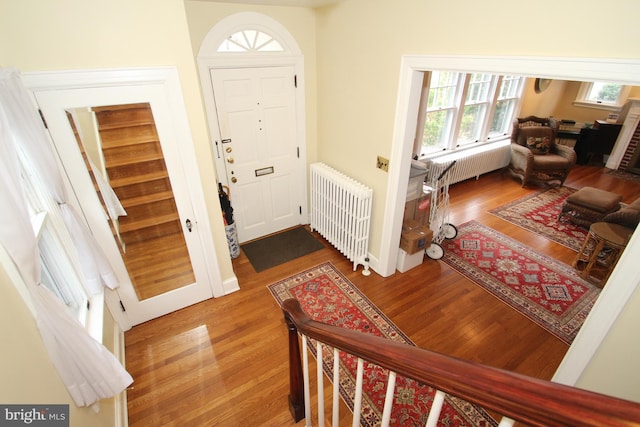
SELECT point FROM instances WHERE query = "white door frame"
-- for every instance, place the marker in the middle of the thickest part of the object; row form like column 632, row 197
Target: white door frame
column 209, row 58
column 614, row 296
column 166, row 78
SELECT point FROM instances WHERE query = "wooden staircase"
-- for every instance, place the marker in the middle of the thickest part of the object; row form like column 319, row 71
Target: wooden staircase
column 516, row 397
column 155, row 251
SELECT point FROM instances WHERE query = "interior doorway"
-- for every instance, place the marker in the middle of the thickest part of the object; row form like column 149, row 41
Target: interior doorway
column 141, row 108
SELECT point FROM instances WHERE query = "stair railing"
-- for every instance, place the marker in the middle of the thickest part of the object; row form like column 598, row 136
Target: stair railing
column 517, row 397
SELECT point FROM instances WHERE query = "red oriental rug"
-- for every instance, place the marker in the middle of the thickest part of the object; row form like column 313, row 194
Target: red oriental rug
column 327, row 296
column 548, row 292
column 539, row 212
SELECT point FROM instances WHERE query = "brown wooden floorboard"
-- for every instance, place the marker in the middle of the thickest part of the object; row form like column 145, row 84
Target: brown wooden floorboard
column 223, row 362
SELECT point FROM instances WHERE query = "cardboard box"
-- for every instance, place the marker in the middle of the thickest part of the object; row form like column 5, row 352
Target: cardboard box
column 416, row 240
column 408, row 261
column 418, row 209
column 410, row 224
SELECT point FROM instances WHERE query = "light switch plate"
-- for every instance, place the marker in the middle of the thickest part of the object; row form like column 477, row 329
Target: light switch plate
column 383, row 164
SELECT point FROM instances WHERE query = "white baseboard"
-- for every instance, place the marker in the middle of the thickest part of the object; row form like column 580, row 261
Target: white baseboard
column 121, row 415
column 230, row 285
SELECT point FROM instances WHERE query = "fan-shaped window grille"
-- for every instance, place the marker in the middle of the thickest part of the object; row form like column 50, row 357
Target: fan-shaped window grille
column 250, row 41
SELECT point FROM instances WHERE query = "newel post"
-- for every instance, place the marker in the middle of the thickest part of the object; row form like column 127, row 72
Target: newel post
column 296, row 390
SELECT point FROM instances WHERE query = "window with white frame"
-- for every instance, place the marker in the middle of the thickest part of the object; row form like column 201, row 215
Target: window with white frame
column 60, row 269
column 461, row 109
column 602, row 95
column 250, row 41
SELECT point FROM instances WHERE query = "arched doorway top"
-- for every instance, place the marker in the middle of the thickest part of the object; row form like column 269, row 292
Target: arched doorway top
column 248, row 33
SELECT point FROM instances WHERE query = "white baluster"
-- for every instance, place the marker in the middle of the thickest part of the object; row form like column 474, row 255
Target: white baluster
column 357, row 404
column 336, row 388
column 305, row 375
column 506, row 422
column 388, row 399
column 320, row 376
column 434, row 413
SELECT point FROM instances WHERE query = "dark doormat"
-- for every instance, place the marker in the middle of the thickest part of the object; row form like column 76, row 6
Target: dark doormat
column 280, row 248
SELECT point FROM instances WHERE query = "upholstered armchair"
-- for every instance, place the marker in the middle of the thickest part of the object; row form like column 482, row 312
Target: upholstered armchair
column 535, row 156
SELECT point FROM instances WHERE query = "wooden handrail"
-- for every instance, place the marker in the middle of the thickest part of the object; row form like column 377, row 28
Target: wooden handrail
column 522, row 398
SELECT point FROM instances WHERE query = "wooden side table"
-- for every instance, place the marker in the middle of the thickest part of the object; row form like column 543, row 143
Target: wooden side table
column 600, row 251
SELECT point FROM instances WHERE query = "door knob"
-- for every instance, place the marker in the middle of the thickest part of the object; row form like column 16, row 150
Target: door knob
column 229, row 159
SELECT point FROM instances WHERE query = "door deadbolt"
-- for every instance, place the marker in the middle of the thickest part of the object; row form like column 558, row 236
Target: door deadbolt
column 188, row 224
column 228, row 149
column 234, row 179
column 229, row 159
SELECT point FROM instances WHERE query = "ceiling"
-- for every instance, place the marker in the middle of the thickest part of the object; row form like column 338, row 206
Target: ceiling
column 299, row 3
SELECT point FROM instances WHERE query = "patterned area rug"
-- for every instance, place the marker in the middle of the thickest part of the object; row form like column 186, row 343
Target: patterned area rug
column 546, row 291
column 539, row 212
column 327, row 296
column 623, row 175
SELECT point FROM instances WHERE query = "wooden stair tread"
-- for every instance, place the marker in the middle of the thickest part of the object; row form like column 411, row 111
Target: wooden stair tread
column 126, row 161
column 152, row 176
column 130, row 141
column 127, row 226
column 147, row 198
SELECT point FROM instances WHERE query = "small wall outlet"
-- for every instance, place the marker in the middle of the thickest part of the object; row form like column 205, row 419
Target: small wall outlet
column 383, row 164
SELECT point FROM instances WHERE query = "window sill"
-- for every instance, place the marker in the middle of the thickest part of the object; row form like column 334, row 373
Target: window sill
column 471, row 148
column 596, row 106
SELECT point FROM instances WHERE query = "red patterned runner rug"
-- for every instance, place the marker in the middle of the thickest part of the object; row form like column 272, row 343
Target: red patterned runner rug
column 540, row 213
column 548, row 292
column 327, row 296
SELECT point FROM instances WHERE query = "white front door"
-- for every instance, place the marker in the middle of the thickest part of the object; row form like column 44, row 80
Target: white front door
column 257, row 124
column 182, row 278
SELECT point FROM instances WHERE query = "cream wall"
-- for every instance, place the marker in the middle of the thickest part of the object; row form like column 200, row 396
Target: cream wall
column 360, row 43
column 27, row 376
column 542, row 104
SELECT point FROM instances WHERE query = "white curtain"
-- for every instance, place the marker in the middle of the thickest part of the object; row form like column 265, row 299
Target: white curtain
column 30, row 136
column 89, row 371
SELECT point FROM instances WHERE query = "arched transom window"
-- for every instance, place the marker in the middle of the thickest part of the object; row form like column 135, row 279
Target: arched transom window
column 250, row 41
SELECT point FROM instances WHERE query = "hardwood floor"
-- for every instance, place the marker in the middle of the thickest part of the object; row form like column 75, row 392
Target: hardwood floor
column 223, row 362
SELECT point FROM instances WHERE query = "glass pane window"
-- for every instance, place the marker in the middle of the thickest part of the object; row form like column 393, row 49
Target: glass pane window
column 471, row 123
column 602, row 95
column 509, row 87
column 440, row 110
column 60, row 271
column 604, row 92
column 479, row 86
column 437, row 128
column 442, row 90
column 506, row 102
column 502, row 117
column 460, row 109
column 250, row 41
column 475, row 108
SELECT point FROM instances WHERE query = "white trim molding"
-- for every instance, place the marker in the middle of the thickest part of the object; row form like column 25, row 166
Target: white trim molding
column 624, row 71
